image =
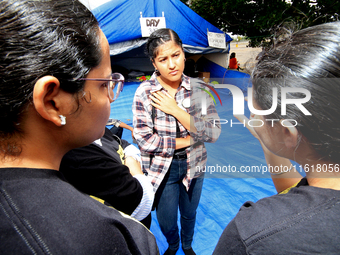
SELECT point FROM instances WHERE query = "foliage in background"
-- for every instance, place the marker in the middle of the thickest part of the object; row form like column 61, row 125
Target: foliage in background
column 259, row 19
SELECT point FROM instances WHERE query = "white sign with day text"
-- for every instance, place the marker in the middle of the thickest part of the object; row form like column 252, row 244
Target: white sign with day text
column 148, row 25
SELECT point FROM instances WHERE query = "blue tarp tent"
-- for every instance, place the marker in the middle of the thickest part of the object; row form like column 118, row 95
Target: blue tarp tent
column 120, row 22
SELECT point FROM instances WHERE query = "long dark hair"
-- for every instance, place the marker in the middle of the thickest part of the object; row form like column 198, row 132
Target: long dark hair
column 58, row 38
column 308, row 59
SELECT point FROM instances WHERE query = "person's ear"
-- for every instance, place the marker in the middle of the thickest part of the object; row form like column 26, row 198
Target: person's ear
column 290, row 134
column 48, row 99
column 154, row 65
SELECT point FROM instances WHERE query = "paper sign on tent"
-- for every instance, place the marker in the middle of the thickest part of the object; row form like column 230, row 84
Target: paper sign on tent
column 151, row 24
column 216, row 40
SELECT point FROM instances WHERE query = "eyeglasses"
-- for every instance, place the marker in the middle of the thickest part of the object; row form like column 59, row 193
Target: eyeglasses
column 117, row 80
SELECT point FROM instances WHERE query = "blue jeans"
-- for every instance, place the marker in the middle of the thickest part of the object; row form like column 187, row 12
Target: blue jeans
column 173, row 194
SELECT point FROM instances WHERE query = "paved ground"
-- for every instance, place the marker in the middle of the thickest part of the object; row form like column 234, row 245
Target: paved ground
column 244, row 55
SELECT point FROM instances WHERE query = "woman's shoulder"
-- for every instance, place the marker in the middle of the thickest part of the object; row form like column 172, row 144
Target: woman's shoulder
column 146, row 86
column 304, row 196
column 291, row 219
column 303, row 202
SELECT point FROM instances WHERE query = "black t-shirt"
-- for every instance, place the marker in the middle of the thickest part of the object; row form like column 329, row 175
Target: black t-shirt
column 98, row 171
column 303, row 221
column 40, row 213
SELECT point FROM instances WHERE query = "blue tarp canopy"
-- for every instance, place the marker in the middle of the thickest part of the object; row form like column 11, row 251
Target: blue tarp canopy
column 120, row 22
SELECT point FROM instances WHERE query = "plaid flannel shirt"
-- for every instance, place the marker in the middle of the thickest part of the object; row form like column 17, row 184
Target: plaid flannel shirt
column 160, row 145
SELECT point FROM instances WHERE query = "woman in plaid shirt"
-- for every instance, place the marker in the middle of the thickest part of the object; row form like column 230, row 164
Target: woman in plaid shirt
column 173, row 117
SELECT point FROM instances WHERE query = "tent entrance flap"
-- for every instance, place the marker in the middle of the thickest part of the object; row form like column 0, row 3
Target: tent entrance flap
column 121, row 47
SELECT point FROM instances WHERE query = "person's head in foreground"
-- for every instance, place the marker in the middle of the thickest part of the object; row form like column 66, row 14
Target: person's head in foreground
column 305, row 220
column 56, row 87
column 307, row 61
column 46, row 49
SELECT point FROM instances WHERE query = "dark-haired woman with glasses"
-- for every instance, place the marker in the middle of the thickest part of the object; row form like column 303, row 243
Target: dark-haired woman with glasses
column 56, row 88
column 110, row 168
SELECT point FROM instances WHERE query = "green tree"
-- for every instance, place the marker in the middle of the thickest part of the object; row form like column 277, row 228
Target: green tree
column 259, row 19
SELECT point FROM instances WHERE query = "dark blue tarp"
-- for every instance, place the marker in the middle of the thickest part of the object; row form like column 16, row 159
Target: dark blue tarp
column 223, row 193
column 119, row 20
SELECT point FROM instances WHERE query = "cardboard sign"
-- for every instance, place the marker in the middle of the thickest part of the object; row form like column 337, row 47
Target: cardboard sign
column 148, row 25
column 216, row 40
